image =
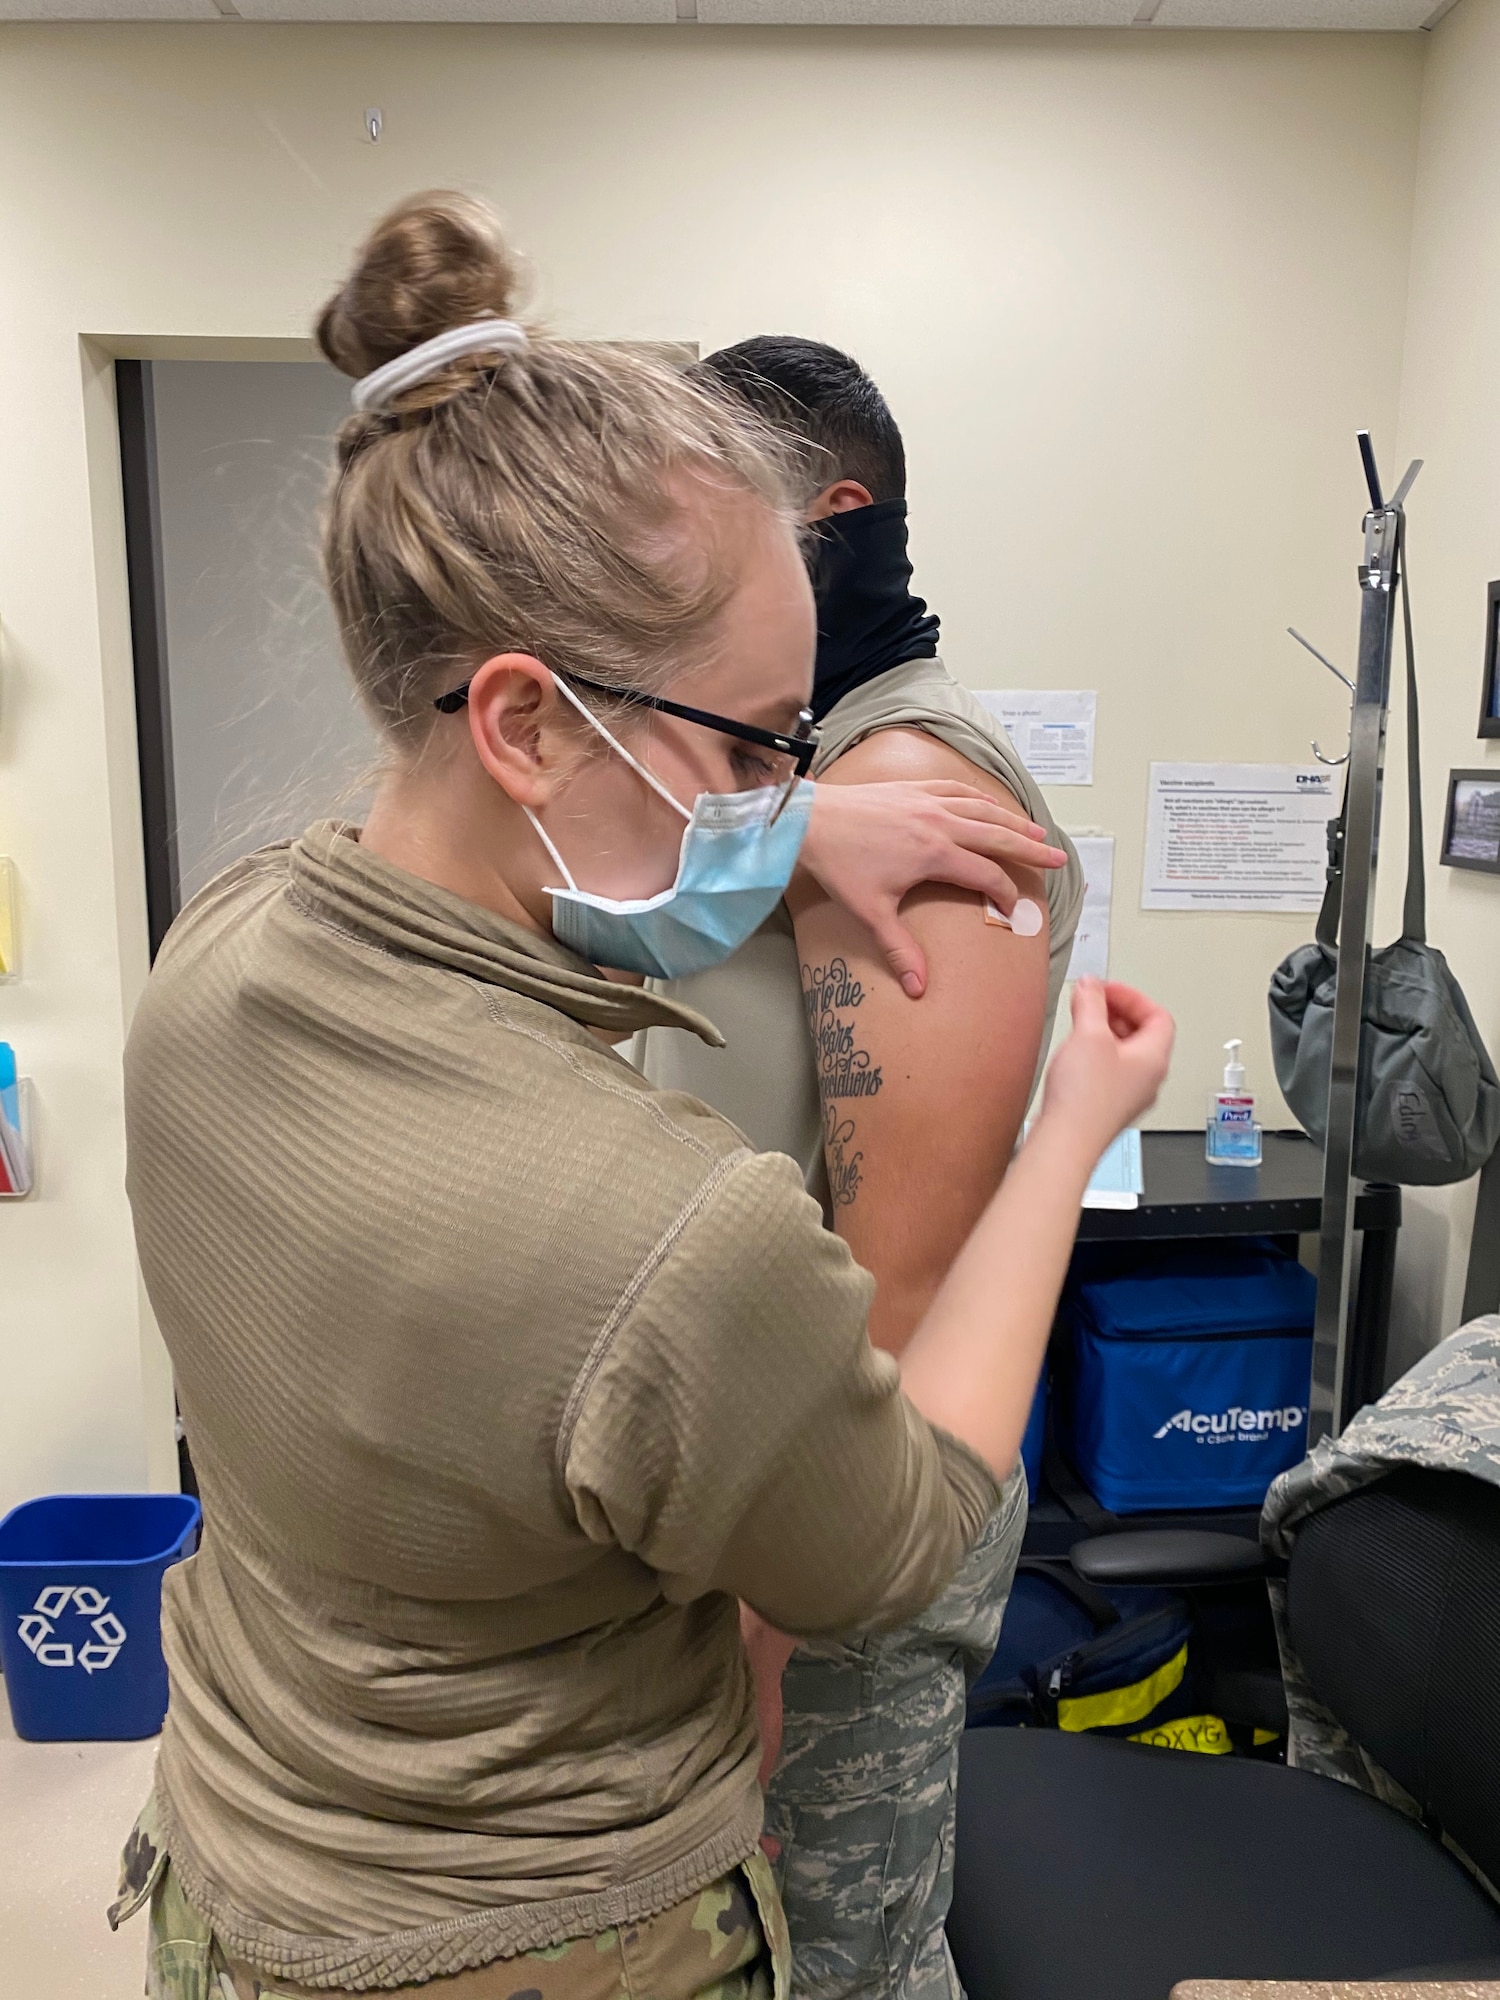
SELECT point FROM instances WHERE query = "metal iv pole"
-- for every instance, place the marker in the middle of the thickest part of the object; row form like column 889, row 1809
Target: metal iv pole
column 1354, row 862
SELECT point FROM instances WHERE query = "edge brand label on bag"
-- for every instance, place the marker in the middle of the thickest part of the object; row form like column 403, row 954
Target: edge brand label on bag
column 1234, row 1425
column 1413, row 1122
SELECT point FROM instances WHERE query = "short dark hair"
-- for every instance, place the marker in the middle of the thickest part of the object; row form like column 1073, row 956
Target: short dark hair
column 839, row 420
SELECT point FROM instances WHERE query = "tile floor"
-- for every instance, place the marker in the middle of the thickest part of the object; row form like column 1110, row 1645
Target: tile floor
column 65, row 1809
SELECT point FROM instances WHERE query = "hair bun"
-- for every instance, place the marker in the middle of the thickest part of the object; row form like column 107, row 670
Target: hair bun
column 435, row 262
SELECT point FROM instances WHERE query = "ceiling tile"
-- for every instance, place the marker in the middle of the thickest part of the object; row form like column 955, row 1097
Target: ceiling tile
column 1292, row 13
column 1282, row 14
column 584, row 12
column 108, row 10
column 923, row 13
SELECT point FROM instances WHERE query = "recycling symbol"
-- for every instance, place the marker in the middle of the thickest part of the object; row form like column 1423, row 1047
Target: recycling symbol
column 40, row 1623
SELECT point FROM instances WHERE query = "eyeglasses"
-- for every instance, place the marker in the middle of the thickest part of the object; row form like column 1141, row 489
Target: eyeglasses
column 801, row 746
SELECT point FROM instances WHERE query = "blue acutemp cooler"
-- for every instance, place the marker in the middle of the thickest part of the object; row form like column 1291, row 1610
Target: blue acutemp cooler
column 80, row 1611
column 1186, row 1376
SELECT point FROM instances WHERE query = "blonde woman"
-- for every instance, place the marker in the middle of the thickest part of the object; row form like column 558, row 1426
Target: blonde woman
column 507, row 1374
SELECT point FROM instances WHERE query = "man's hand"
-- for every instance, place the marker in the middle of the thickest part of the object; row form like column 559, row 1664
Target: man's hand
column 868, row 844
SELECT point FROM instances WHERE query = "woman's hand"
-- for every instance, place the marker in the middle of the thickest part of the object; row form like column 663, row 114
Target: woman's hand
column 1110, row 1068
column 972, row 1364
column 768, row 1652
column 867, row 845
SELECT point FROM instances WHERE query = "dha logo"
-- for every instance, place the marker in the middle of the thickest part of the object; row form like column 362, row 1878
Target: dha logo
column 1234, row 1423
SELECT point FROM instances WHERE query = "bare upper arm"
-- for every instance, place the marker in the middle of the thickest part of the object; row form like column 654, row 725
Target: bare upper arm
column 922, row 1100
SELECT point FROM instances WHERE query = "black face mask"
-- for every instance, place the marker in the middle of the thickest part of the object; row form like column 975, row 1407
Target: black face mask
column 868, row 620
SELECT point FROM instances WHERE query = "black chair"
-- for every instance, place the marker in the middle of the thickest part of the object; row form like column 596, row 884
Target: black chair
column 1094, row 1869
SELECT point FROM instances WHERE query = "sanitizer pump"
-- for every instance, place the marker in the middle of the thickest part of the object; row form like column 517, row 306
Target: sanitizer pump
column 1233, row 1135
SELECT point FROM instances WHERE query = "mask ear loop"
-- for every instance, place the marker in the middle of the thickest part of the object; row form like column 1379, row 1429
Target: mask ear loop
column 557, row 861
column 619, row 749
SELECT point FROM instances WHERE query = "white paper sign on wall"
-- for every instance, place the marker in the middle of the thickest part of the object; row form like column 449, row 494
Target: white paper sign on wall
column 1052, row 729
column 1090, row 959
column 1237, row 836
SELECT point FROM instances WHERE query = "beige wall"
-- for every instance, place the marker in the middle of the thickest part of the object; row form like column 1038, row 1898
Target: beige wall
column 1130, row 296
column 1450, row 416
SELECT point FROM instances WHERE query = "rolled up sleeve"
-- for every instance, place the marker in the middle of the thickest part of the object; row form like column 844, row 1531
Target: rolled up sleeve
column 739, row 1433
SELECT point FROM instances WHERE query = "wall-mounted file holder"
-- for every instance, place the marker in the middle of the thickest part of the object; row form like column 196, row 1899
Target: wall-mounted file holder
column 17, row 1130
column 10, row 937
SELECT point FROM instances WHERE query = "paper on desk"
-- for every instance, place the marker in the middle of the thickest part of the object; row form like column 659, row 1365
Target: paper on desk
column 1119, row 1180
column 1052, row 729
column 1237, row 836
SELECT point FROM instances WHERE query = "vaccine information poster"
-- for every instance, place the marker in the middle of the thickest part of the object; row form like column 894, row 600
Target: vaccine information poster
column 1237, row 836
column 1052, row 729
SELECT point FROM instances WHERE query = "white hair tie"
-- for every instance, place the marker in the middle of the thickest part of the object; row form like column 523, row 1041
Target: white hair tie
column 377, row 389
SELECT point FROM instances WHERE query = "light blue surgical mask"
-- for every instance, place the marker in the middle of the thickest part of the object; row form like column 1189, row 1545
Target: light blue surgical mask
column 737, row 856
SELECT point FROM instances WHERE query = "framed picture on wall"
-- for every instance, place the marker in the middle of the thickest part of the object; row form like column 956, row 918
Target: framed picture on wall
column 1471, row 825
column 1489, row 706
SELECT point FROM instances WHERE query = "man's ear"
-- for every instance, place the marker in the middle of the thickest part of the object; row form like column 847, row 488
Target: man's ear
column 513, row 713
column 841, row 498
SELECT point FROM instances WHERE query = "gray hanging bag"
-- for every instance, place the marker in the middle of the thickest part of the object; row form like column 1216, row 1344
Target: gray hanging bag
column 1428, row 1103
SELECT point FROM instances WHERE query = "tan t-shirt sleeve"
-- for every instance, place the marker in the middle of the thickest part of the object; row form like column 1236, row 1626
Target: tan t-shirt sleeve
column 739, row 1433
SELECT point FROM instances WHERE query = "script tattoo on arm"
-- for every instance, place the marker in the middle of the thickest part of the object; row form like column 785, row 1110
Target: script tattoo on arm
column 845, row 1070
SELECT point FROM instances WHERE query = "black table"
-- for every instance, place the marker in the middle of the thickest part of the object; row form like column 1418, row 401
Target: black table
column 1282, row 1197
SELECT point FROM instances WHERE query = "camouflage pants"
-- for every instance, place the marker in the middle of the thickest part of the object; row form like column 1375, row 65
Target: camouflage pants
column 863, row 1798
column 727, row 1942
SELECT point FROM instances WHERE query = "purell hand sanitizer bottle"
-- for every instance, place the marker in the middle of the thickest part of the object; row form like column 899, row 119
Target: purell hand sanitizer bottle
column 1233, row 1135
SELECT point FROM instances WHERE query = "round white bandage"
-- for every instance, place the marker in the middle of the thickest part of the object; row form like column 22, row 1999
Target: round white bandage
column 1025, row 919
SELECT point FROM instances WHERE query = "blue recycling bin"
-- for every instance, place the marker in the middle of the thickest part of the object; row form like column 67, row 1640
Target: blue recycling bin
column 80, row 1611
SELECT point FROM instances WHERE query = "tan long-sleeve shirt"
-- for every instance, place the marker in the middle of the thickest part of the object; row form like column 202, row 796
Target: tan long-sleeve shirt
column 504, row 1374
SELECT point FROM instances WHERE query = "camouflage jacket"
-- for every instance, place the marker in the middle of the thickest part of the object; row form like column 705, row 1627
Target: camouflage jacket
column 1444, row 1414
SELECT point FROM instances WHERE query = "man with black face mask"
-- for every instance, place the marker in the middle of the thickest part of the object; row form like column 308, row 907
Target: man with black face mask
column 903, row 1115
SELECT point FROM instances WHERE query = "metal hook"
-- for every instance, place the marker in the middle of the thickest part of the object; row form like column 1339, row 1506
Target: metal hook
column 1338, row 675
column 1405, row 487
column 1320, row 658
